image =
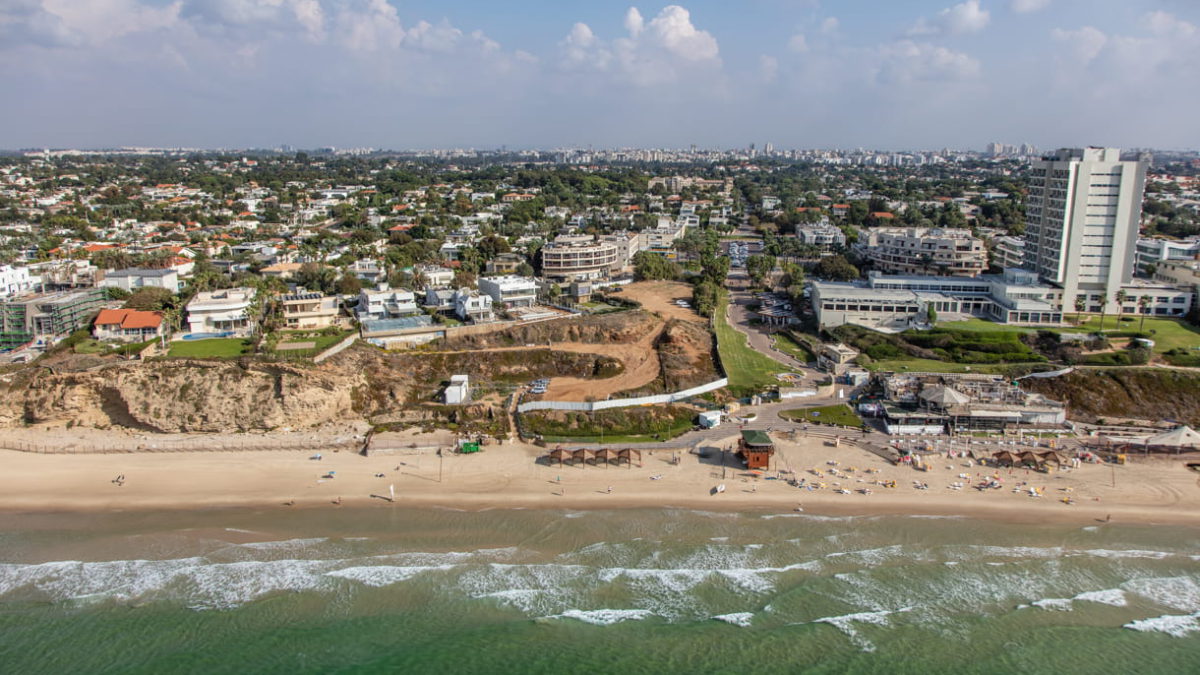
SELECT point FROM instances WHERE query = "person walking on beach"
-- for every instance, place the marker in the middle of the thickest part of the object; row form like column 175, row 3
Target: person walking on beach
column 610, row 489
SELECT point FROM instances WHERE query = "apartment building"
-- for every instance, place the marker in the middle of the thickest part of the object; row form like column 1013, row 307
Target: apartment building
column 1082, row 216
column 917, row 250
column 1154, row 250
column 1008, row 252
column 16, row 281
column 580, row 257
column 474, row 306
column 386, row 303
column 45, row 316
column 825, row 235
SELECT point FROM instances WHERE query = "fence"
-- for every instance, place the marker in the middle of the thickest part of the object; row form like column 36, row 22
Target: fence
column 336, row 348
column 592, row 406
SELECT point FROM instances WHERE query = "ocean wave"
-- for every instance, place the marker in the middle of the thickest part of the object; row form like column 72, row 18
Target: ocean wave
column 1173, row 625
column 1181, row 593
column 284, row 544
column 846, row 624
column 527, row 600
column 604, row 617
column 1109, row 596
column 1127, row 553
column 378, row 576
column 741, row 619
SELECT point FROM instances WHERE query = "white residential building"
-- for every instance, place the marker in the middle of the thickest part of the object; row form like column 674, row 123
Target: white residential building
column 924, row 250
column 436, row 276
column 1152, row 251
column 386, row 304
column 471, row 305
column 510, row 290
column 1082, row 217
column 16, row 281
column 1008, row 252
column 223, row 311
column 822, row 235
column 309, row 310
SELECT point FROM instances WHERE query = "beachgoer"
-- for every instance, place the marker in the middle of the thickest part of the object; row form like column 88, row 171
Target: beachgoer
column 610, row 489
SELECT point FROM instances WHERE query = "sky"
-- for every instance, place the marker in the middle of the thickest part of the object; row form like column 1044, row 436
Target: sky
column 401, row 74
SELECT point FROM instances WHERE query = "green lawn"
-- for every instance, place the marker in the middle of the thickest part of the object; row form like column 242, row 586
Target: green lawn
column 794, row 349
column 218, row 348
column 746, row 368
column 840, row 414
column 984, row 325
column 1167, row 333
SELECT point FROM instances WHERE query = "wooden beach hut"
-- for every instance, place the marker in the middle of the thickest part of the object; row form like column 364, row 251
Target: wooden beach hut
column 755, row 449
column 627, row 455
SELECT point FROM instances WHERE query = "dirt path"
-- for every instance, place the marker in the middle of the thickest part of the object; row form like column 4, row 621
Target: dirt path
column 660, row 297
column 641, row 368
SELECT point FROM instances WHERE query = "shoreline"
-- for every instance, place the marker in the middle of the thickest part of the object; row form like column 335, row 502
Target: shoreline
column 511, row 476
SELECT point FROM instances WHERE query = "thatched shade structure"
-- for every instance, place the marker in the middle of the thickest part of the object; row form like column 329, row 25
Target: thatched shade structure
column 1051, row 457
column 606, row 455
column 1004, row 458
column 580, row 455
column 627, row 455
column 1030, row 459
column 559, row 455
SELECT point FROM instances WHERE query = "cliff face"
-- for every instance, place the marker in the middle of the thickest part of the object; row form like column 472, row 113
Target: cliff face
column 1119, row 393
column 182, row 396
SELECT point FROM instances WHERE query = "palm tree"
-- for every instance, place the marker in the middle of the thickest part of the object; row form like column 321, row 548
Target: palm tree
column 1103, row 307
column 1080, row 303
column 1121, row 297
column 1143, row 305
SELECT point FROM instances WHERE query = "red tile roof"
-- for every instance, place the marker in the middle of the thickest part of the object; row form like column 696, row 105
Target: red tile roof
column 129, row 318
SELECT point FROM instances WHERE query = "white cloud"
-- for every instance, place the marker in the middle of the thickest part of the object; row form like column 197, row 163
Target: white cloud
column 1084, row 43
column 798, row 43
column 965, row 17
column 907, row 61
column 652, row 53
column 1026, row 6
column 829, row 25
column 634, row 23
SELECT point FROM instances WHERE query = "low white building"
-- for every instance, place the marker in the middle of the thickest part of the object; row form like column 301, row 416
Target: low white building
column 309, row 310
column 458, row 391
column 436, row 276
column 822, row 235
column 132, row 279
column 223, row 311
column 16, row 281
column 510, row 290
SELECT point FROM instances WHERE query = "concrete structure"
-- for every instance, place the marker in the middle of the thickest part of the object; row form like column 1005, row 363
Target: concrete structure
column 896, row 303
column 822, row 235
column 580, row 258
column 386, row 303
column 458, row 391
column 283, row 270
column 309, row 310
column 224, row 311
column 45, row 316
column 1082, row 216
column 16, row 281
column 933, row 403
column 709, row 419
column 1182, row 273
column 662, row 237
column 127, row 325
column 132, row 279
column 370, row 272
column 474, row 306
column 504, row 263
column 1143, row 296
column 836, row 358
column 510, row 290
column 1154, row 251
column 1008, row 252
column 917, row 250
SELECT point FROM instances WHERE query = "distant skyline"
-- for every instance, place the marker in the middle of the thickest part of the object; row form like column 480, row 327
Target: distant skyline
column 471, row 73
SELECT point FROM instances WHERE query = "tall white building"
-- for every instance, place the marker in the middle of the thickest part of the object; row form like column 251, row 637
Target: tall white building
column 1082, row 222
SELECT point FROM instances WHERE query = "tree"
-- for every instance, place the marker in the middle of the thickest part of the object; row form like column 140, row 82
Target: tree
column 706, row 295
column 1121, row 296
column 1143, row 304
column 930, row 314
column 649, row 266
column 758, row 267
column 349, row 284
column 836, row 268
column 1080, row 303
column 150, row 299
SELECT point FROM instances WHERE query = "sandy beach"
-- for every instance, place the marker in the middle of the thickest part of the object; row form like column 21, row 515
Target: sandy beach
column 509, row 475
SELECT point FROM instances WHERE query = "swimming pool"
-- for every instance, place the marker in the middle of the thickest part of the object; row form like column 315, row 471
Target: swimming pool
column 205, row 336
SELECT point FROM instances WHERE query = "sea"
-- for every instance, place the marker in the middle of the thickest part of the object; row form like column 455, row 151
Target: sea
column 393, row 589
